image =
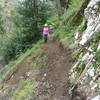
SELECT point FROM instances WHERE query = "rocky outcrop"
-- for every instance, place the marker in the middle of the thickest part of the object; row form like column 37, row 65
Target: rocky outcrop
column 92, row 15
column 87, row 68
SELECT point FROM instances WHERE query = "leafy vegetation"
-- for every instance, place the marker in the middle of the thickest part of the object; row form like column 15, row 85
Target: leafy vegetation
column 65, row 28
column 26, row 19
column 38, row 59
column 97, row 60
column 5, row 71
column 26, row 91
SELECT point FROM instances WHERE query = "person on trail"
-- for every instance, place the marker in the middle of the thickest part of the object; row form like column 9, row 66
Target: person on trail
column 45, row 33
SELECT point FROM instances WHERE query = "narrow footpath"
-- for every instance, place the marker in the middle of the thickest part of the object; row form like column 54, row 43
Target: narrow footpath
column 60, row 61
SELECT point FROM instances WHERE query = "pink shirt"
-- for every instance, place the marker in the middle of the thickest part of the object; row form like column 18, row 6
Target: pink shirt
column 46, row 31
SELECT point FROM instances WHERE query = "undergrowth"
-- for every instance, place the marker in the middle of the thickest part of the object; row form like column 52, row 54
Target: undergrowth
column 25, row 91
column 38, row 59
column 65, row 28
column 6, row 70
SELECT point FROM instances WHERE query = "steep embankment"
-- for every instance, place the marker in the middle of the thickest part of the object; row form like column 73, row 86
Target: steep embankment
column 87, row 69
column 46, row 69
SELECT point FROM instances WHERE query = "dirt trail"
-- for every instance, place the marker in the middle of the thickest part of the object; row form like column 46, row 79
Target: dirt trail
column 55, row 79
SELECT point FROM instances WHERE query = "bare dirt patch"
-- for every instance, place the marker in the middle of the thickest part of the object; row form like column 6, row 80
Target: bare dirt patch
column 53, row 78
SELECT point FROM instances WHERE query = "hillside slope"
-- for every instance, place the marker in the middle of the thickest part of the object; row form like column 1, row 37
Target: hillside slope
column 46, row 70
column 67, row 68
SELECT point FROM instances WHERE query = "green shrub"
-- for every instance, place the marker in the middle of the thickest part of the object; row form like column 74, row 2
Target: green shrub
column 13, row 64
column 97, row 59
column 26, row 91
column 26, row 28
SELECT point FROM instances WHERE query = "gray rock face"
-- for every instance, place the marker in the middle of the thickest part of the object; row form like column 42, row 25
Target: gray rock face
column 96, row 98
column 91, row 75
column 92, row 16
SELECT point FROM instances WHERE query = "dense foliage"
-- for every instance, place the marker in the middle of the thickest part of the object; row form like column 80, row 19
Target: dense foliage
column 27, row 19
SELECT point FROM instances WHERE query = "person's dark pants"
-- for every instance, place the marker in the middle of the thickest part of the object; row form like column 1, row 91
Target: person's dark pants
column 45, row 38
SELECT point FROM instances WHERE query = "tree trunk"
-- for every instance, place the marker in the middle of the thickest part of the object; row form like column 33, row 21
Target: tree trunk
column 59, row 8
column 36, row 13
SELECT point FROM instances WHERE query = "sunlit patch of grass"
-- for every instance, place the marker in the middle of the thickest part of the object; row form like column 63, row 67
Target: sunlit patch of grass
column 39, row 60
column 25, row 91
column 34, row 66
column 39, row 52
